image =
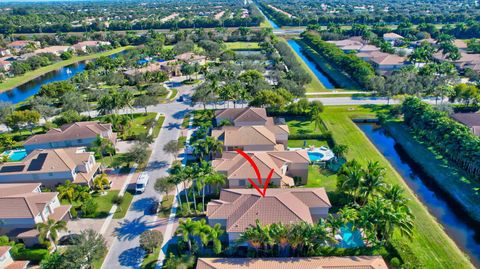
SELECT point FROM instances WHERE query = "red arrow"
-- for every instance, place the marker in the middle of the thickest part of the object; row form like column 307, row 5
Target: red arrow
column 257, row 172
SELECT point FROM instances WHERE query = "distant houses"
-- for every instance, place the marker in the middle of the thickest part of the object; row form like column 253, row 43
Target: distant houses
column 238, row 209
column 85, row 45
column 347, row 262
column 79, row 134
column 22, row 206
column 51, row 167
column 21, row 44
column 172, row 68
column 55, row 50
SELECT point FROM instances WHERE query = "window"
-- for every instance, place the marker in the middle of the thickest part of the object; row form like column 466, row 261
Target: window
column 241, row 182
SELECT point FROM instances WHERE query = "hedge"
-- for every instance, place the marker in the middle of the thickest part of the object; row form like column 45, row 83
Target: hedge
column 33, row 255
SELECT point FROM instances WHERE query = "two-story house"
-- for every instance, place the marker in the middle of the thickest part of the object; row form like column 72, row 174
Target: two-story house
column 286, row 165
column 23, row 205
column 51, row 167
column 238, row 209
column 79, row 134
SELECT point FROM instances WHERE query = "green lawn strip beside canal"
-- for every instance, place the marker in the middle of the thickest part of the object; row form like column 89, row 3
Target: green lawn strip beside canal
column 430, row 245
column 448, row 176
column 16, row 81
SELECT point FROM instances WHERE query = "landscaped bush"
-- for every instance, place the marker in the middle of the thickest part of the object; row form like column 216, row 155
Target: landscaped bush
column 32, row 255
column 323, row 136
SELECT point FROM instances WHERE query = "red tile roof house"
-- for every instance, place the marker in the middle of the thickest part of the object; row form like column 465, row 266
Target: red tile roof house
column 252, row 116
column 22, row 206
column 51, row 167
column 56, row 50
column 347, row 262
column 21, row 44
column 79, row 134
column 172, row 68
column 251, row 138
column 191, row 58
column 238, row 209
column 6, row 261
column 4, row 52
column 5, row 65
column 287, row 165
column 84, row 45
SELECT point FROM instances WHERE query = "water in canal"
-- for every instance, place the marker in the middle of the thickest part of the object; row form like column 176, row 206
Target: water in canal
column 462, row 230
column 311, row 65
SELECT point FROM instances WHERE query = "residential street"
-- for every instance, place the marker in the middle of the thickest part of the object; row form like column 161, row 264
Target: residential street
column 125, row 251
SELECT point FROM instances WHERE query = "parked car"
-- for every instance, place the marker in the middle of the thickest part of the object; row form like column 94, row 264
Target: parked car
column 142, row 182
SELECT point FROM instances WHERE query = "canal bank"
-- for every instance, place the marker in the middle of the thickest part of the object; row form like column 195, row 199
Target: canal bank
column 463, row 230
column 20, row 88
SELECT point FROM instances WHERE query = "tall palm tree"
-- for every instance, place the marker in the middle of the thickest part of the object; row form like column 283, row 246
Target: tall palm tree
column 279, row 234
column 373, row 180
column 49, row 231
column 66, row 190
column 254, row 236
column 217, row 180
column 350, row 179
column 100, row 181
column 317, row 120
column 187, row 228
column 215, row 232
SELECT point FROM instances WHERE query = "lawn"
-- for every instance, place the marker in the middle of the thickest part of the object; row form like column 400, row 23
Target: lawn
column 150, row 260
column 301, row 125
column 166, row 206
column 340, row 78
column 321, row 177
column 315, row 85
column 158, row 126
column 138, row 123
column 19, row 80
column 104, row 202
column 447, row 175
column 429, row 243
column 123, row 207
column 300, row 143
column 242, row 45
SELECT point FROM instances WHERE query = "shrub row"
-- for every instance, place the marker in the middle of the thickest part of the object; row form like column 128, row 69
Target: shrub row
column 356, row 68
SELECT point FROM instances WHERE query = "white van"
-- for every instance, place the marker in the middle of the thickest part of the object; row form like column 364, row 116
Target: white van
column 142, row 182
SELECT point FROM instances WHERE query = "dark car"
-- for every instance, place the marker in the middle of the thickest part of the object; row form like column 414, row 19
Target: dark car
column 153, row 210
column 180, row 99
column 68, row 239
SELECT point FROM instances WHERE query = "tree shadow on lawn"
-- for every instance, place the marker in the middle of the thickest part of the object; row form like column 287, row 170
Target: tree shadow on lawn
column 130, row 229
column 132, row 257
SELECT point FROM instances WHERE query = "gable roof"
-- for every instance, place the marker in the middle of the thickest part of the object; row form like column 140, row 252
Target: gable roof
column 242, row 207
column 28, row 203
column 242, row 114
column 347, row 262
column 245, row 135
column 392, row 35
column 77, row 130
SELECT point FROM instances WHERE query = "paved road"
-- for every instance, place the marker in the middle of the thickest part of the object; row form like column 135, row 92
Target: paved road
column 125, row 251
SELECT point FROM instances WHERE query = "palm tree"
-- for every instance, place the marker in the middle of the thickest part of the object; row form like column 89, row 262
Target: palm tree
column 100, row 181
column 187, row 228
column 204, row 231
column 215, row 232
column 373, row 180
column 350, row 179
column 67, row 190
column 105, row 145
column 334, row 223
column 202, row 171
column 217, row 180
column 279, row 234
column 49, row 231
column 254, row 236
column 317, row 120
column 340, row 150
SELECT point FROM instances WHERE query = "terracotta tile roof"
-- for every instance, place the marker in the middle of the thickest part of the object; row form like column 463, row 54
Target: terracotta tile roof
column 47, row 161
column 52, row 49
column 19, row 43
column 89, row 43
column 152, row 67
column 348, row 262
column 18, row 265
column 276, row 128
column 242, row 207
column 237, row 167
column 27, row 204
column 4, row 250
column 242, row 114
column 382, row 58
column 245, row 135
column 78, row 130
column 460, row 44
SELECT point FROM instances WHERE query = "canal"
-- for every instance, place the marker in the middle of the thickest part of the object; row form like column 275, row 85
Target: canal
column 327, row 83
column 464, row 231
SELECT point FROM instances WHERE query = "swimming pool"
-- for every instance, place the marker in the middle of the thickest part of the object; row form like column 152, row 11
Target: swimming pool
column 315, row 156
column 350, row 238
column 15, row 155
